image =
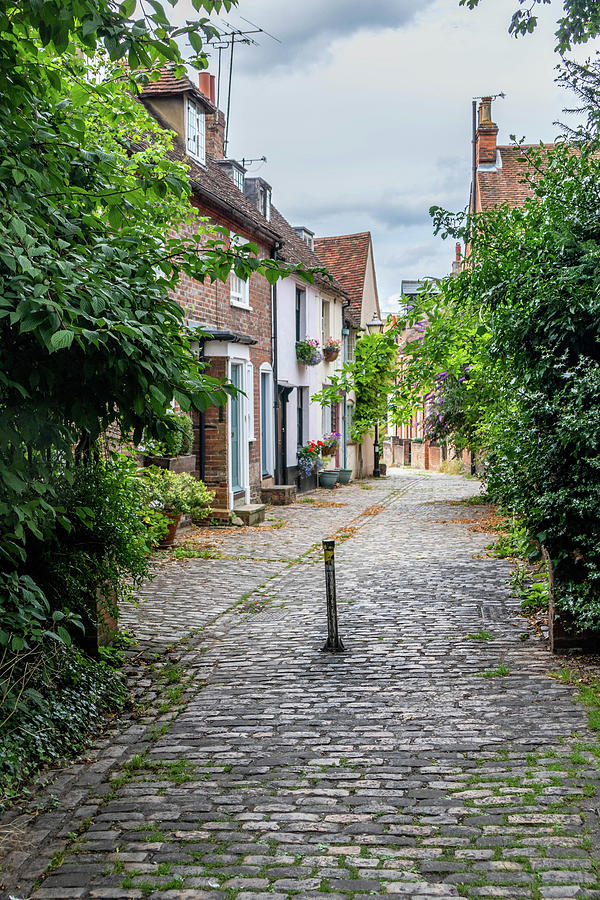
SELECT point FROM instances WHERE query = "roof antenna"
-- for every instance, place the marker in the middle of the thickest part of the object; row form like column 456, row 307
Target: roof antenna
column 228, row 38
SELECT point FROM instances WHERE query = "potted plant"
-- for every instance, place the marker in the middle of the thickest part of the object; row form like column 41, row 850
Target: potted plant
column 330, row 442
column 344, row 476
column 331, row 349
column 174, row 450
column 168, row 495
column 308, row 353
column 309, row 459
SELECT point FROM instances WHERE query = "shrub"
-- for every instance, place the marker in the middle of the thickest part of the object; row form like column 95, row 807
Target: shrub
column 169, row 492
column 66, row 697
column 178, row 437
column 103, row 548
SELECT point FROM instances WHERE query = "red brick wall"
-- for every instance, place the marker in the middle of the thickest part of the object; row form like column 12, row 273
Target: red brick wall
column 209, row 304
column 435, row 457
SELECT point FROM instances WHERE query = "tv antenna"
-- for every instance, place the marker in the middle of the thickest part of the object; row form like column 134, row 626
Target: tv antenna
column 228, row 37
column 247, row 162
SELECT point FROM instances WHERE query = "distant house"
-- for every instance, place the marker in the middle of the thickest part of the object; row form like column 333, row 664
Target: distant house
column 499, row 170
column 406, row 444
column 349, row 257
column 234, row 446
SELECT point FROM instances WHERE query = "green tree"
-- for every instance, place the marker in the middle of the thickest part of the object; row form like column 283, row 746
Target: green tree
column 523, row 320
column 580, row 22
column 91, row 208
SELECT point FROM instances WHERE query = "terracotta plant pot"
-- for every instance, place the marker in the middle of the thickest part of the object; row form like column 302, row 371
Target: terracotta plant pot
column 328, row 478
column 344, row 476
column 169, row 537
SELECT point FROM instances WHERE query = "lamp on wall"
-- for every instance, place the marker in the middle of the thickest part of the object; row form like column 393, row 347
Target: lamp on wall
column 375, row 326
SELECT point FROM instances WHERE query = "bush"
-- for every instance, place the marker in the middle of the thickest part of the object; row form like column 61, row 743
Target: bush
column 66, row 697
column 102, row 551
column 169, row 492
column 178, row 437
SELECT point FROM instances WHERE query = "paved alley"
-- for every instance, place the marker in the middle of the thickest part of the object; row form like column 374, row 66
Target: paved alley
column 435, row 758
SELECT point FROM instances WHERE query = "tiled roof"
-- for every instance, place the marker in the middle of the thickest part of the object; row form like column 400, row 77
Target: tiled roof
column 345, row 256
column 168, row 84
column 212, row 184
column 295, row 251
column 505, row 184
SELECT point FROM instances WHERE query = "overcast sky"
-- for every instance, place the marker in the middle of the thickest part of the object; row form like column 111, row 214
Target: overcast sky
column 364, row 112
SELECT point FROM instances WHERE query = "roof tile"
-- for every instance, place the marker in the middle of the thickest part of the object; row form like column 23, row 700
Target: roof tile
column 507, row 183
column 168, row 84
column 345, row 256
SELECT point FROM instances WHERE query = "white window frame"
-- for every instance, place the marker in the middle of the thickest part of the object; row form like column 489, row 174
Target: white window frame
column 195, row 131
column 237, row 176
column 239, row 290
column 241, row 359
column 249, row 401
column 325, row 320
column 266, row 402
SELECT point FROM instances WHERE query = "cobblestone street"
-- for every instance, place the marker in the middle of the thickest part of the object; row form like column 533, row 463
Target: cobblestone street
column 426, row 761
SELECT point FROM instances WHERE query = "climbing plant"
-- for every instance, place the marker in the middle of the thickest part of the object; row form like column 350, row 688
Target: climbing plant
column 371, row 374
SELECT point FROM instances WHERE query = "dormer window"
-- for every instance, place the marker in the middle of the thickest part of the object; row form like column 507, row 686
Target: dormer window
column 265, row 202
column 259, row 193
column 237, row 176
column 306, row 235
column 195, row 131
column 233, row 170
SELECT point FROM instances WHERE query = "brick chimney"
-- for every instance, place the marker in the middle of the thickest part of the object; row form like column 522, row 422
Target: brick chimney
column 215, row 122
column 487, row 133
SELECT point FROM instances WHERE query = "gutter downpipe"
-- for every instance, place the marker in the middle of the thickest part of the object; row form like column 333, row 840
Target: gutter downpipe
column 345, row 333
column 474, row 176
column 202, row 424
column 274, row 352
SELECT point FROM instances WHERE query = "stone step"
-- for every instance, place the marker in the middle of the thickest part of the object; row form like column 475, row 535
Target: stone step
column 279, row 494
column 251, row 513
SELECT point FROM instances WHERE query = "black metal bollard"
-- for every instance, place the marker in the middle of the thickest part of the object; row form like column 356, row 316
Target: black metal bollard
column 333, row 644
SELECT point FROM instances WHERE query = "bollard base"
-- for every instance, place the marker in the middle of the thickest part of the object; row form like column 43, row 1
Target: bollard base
column 332, row 645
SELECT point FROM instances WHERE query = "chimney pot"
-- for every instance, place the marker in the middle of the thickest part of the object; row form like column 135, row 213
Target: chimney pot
column 206, row 83
column 458, row 249
column 485, row 111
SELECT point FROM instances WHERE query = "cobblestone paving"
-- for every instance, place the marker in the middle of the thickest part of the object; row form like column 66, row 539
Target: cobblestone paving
column 408, row 765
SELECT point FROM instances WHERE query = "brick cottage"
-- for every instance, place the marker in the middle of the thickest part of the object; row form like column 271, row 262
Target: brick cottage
column 233, row 445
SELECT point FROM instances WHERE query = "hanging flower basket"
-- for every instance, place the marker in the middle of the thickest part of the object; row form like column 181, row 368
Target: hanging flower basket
column 329, row 444
column 308, row 353
column 331, row 349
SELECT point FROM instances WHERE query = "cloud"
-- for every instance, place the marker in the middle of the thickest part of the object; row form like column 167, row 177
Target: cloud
column 308, row 28
column 392, row 211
